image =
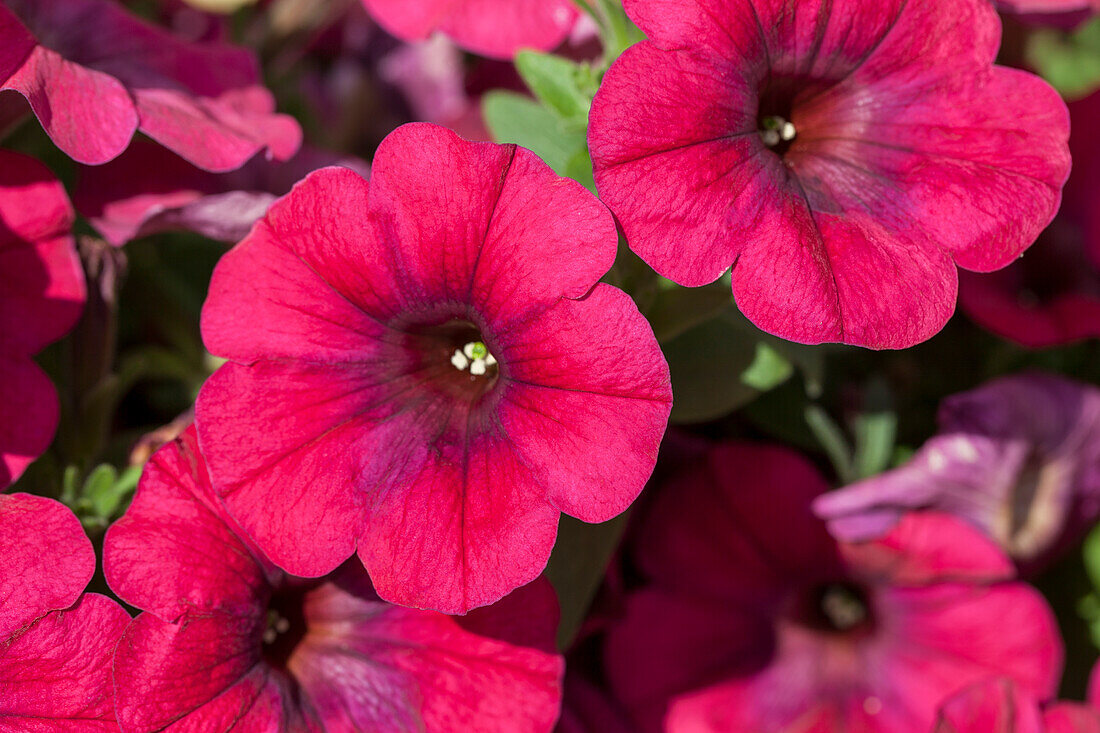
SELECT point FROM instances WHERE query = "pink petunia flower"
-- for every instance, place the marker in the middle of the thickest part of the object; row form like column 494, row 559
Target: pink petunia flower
column 41, row 295
column 842, row 156
column 228, row 642
column 55, row 644
column 998, row 704
column 755, row 619
column 93, row 74
column 1051, row 296
column 1018, row 458
column 149, row 189
column 425, row 370
column 493, row 28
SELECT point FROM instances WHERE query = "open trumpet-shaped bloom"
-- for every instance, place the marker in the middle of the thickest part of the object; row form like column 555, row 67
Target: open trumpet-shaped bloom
column 41, row 296
column 425, row 370
column 842, row 156
column 55, row 645
column 1018, row 458
column 228, row 642
column 93, row 74
column 1051, row 295
column 755, row 619
column 494, row 28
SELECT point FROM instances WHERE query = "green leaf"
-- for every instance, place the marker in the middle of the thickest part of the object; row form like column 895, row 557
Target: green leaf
column 875, row 434
column 514, row 118
column 768, row 370
column 1091, row 552
column 676, row 309
column 560, row 84
column 1069, row 61
column 578, row 566
column 706, row 363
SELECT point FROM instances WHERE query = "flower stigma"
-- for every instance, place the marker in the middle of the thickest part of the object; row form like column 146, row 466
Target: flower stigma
column 776, row 130
column 473, row 357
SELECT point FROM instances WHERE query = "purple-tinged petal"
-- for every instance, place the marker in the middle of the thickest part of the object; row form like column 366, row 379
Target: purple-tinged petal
column 994, row 706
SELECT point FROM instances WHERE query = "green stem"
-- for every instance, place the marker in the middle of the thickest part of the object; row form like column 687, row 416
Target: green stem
column 591, row 12
column 832, row 439
column 617, row 26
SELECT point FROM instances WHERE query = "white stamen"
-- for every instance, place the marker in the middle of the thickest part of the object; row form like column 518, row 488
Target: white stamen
column 490, row 360
column 468, row 350
column 787, row 131
column 459, row 361
column 282, row 626
column 771, row 137
column 477, row 368
column 270, row 635
column 475, row 357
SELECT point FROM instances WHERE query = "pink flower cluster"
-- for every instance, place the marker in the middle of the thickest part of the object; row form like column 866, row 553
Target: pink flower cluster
column 423, row 364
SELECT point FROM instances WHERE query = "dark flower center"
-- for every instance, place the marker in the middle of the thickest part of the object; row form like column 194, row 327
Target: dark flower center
column 457, row 358
column 836, row 608
column 286, row 626
column 775, row 119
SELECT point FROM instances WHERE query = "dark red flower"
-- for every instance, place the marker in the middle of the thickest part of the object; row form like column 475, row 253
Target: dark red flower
column 93, row 74
column 41, row 296
column 1051, row 295
column 426, row 370
column 228, row 642
column 55, row 644
column 494, row 28
column 842, row 156
column 755, row 619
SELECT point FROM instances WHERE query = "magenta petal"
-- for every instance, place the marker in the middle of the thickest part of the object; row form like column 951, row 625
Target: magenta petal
column 503, row 233
column 495, row 28
column 88, row 114
column 483, row 526
column 930, row 547
column 528, row 616
column 994, row 706
column 48, row 560
column 29, row 415
column 421, row 670
column 55, row 677
column 204, row 671
column 588, row 402
column 306, row 479
column 175, row 550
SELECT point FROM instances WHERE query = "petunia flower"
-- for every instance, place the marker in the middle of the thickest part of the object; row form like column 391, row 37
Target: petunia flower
column 998, row 705
column 427, row 372
column 842, row 156
column 1051, row 296
column 755, row 619
column 149, row 189
column 1018, row 458
column 93, row 74
column 493, row 28
column 41, row 295
column 55, row 644
column 228, row 642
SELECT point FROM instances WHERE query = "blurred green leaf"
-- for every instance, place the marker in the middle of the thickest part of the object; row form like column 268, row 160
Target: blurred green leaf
column 560, row 84
column 875, row 434
column 768, row 370
column 1069, row 61
column 706, row 363
column 676, row 309
column 514, row 118
column 578, row 566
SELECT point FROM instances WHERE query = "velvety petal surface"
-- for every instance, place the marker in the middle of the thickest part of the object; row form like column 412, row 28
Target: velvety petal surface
column 907, row 154
column 55, row 676
column 495, row 28
column 451, row 496
column 48, row 560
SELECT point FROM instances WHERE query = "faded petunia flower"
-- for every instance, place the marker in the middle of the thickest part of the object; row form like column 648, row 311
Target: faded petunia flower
column 93, row 74
column 41, row 295
column 149, row 189
column 493, row 28
column 425, row 371
column 998, row 706
column 55, row 644
column 1051, row 296
column 755, row 619
column 228, row 642
column 842, row 156
column 1018, row 458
